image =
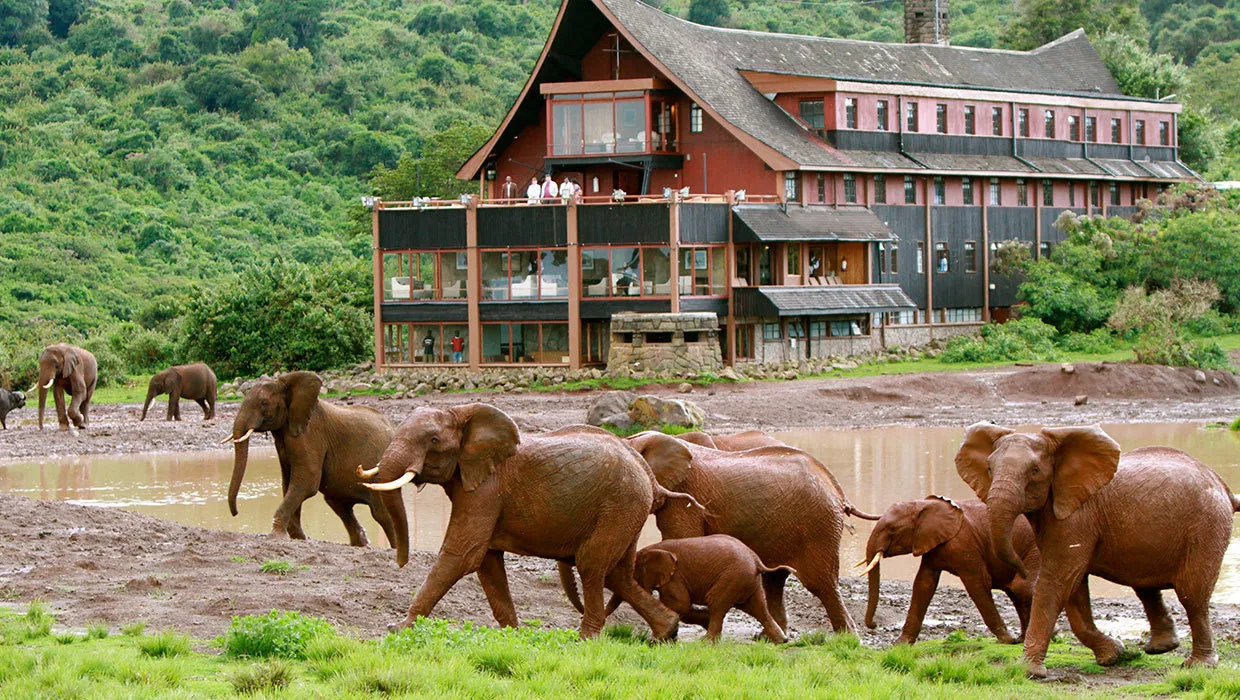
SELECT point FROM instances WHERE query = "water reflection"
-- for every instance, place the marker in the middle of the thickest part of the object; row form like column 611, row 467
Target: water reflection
column 876, row 467
column 880, row 466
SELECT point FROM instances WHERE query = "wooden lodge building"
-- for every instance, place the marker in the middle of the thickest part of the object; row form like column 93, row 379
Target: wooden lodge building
column 821, row 196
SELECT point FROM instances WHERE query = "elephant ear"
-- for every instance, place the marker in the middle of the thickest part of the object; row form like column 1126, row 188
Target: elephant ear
column 669, row 458
column 697, row 437
column 972, row 459
column 70, row 363
column 488, row 437
column 937, row 522
column 1085, row 460
column 302, row 394
column 657, row 566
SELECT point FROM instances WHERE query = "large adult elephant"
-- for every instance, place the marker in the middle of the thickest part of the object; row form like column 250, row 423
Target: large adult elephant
column 320, row 447
column 195, row 382
column 780, row 501
column 1154, row 518
column 575, row 496
column 737, row 442
column 67, row 368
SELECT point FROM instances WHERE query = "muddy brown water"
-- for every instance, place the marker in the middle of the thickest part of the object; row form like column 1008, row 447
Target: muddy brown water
column 875, row 466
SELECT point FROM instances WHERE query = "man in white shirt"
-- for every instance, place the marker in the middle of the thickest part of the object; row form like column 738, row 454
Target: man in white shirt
column 549, row 189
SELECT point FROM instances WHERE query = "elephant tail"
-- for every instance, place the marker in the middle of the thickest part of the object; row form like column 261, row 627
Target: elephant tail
column 662, row 496
column 569, row 581
column 763, row 568
column 850, row 509
column 1235, row 502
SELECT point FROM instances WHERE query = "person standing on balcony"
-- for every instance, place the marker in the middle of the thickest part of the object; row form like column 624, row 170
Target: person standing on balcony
column 508, row 191
column 428, row 348
column 549, row 189
column 458, row 347
column 566, row 190
column 533, row 191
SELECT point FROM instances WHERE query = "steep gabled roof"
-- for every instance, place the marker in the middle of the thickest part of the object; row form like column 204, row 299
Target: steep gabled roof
column 707, row 64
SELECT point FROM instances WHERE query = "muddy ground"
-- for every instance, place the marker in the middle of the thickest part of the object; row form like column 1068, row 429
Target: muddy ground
column 115, row 566
column 1042, row 394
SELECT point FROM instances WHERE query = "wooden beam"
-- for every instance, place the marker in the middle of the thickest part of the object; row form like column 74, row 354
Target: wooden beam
column 377, row 262
column 574, row 287
column 674, row 247
column 583, row 86
column 927, row 258
column 730, row 265
column 473, row 277
column 985, row 261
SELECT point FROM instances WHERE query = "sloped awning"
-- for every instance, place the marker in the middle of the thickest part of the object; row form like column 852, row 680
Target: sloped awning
column 771, row 223
column 840, row 300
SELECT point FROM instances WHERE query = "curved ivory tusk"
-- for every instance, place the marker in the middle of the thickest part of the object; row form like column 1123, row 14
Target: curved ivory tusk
column 247, row 435
column 873, row 562
column 227, row 438
column 50, row 382
column 367, row 473
column 391, row 485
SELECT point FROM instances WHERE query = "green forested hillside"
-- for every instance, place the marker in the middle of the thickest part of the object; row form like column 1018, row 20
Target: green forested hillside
column 153, row 151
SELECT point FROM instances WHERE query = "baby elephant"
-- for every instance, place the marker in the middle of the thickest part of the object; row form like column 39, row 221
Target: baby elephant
column 10, row 400
column 717, row 571
column 195, row 382
column 952, row 537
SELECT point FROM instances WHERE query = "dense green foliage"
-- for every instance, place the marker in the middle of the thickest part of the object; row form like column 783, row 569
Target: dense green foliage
column 154, row 154
column 285, row 635
column 1020, row 339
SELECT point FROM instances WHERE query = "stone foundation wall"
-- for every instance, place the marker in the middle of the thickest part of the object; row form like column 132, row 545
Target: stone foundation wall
column 687, row 342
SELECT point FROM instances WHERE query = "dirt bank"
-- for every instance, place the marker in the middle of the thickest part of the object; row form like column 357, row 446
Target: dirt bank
column 1042, row 394
column 98, row 564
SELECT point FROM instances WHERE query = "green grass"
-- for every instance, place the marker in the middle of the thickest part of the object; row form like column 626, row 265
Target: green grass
column 164, row 644
column 442, row 658
column 277, row 567
column 635, row 429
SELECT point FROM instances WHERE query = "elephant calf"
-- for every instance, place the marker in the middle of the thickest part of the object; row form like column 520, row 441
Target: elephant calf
column 10, row 400
column 195, row 382
column 952, row 537
column 717, row 571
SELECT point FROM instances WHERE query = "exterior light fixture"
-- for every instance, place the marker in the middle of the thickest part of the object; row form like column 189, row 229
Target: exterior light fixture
column 466, row 199
column 369, row 202
column 740, row 195
column 490, row 172
column 618, row 195
column 667, row 193
column 843, row 264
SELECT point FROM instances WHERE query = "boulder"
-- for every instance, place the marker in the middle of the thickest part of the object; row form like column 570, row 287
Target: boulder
column 608, row 405
column 652, row 411
column 684, row 388
column 1081, row 400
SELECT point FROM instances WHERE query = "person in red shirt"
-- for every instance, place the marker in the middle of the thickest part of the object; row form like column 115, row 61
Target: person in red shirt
column 458, row 347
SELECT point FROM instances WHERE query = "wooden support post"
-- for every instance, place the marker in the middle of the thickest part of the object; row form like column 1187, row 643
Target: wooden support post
column 985, row 262
column 928, row 258
column 474, row 280
column 730, row 266
column 377, row 261
column 574, row 287
column 1037, row 212
column 674, row 246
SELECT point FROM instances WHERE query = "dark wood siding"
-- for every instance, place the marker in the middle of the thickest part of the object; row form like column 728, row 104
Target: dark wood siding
column 1045, row 148
column 719, row 306
column 426, row 229
column 908, row 223
column 422, row 311
column 605, row 308
column 1123, row 212
column 523, row 311
column 1110, row 151
column 961, row 145
column 619, row 223
column 1008, row 223
column 954, row 226
column 516, row 226
column 704, row 223
column 1153, row 152
column 865, row 140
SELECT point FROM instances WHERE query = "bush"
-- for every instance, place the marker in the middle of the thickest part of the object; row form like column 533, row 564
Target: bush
column 284, row 635
column 1160, row 318
column 1212, row 324
column 261, row 678
column 1065, row 301
column 1021, row 339
column 1095, row 342
column 168, row 643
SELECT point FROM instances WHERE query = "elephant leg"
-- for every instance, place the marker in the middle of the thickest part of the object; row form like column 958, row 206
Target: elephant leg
column 206, row 411
column 715, row 627
column 62, row 417
column 494, row 581
column 464, row 547
column 695, row 614
column 1162, row 628
column 84, row 408
column 344, row 510
column 1058, row 576
column 380, row 513
column 757, row 609
column 825, row 587
column 287, row 520
column 619, row 578
column 1194, row 595
column 1020, row 592
column 174, row 404
column 76, row 401
column 1081, row 618
column 925, row 583
column 773, row 587
column 979, row 591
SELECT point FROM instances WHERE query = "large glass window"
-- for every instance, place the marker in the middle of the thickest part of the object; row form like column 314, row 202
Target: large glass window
column 793, row 261
column 942, row 262
column 850, row 189
column 695, row 118
column 882, row 115
column 1115, row 194
column 970, row 256
column 1140, row 136
column 702, row 271
column 966, row 190
column 525, row 343
column 996, row 121
column 566, row 137
column 599, row 123
column 631, row 126
column 1074, row 128
column 940, row 118
column 1023, row 122
column 663, row 119
column 1022, row 193
column 940, row 191
column 744, row 269
column 911, row 114
column 625, row 271
column 1091, row 129
column 423, row 343
column 1048, row 194
column 970, row 119
column 1093, row 194
column 1116, row 127
column 880, row 189
column 524, row 274
column 765, row 275
column 1050, row 123
column 996, row 193
column 910, row 192
column 792, row 186
column 424, row 276
column 1164, row 134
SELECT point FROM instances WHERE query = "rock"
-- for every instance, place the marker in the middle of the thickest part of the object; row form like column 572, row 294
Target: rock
column 730, row 374
column 1068, row 368
column 684, row 388
column 652, row 410
column 621, row 421
column 1081, row 400
column 609, row 404
column 421, row 388
column 1199, row 377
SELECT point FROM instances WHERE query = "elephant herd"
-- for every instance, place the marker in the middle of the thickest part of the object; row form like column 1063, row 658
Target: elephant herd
column 739, row 514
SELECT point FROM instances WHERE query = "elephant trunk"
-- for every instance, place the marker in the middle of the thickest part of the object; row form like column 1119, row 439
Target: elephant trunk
column 1005, row 505
column 241, row 456
column 150, row 396
column 398, row 466
column 394, row 502
column 874, row 555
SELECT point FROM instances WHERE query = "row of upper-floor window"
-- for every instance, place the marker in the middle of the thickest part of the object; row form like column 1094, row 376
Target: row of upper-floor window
column 972, row 191
column 944, row 262
column 542, row 273
column 1078, row 127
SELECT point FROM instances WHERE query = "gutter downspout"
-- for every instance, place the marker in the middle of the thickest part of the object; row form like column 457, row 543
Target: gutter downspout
column 900, row 132
column 1017, row 156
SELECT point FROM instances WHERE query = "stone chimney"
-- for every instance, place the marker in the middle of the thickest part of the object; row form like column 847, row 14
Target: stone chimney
column 925, row 22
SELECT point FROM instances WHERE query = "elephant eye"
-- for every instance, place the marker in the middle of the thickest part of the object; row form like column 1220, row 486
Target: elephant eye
column 434, row 440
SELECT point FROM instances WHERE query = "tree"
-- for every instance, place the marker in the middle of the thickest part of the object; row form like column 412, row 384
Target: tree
column 220, row 84
column 439, row 69
column 278, row 66
column 1197, row 138
column 19, row 16
column 1139, row 72
column 715, row 13
column 62, row 14
column 298, row 21
column 1203, row 246
column 1043, row 21
column 434, row 173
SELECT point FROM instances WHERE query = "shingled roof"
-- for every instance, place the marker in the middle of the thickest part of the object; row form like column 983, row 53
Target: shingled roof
column 771, row 222
column 821, row 301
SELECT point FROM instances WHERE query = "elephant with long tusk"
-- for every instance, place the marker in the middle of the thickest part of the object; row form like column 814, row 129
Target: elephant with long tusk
column 952, row 537
column 72, row 370
column 322, row 448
